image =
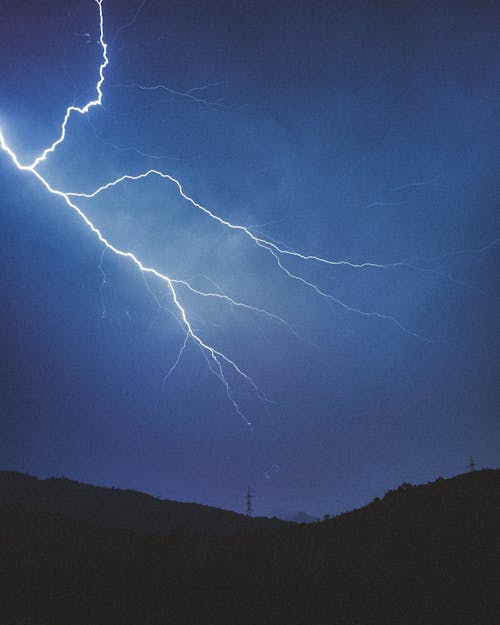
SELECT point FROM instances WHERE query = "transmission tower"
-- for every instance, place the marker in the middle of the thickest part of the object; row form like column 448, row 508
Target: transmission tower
column 249, row 502
column 472, row 465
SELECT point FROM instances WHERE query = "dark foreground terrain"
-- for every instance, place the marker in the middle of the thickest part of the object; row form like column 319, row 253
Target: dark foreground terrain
column 422, row 555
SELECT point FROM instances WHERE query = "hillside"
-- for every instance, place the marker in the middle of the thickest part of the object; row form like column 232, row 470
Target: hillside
column 425, row 554
column 122, row 509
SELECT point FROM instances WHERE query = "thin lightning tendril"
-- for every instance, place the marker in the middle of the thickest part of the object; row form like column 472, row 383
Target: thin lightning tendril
column 217, row 360
column 177, row 361
column 181, row 94
column 103, row 282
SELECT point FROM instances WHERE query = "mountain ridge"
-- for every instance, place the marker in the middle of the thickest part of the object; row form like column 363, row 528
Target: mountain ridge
column 420, row 554
column 123, row 508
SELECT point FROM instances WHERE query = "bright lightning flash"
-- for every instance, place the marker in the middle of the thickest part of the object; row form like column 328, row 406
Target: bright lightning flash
column 218, row 361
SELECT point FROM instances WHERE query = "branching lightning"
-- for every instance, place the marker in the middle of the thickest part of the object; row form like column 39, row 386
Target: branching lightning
column 218, row 358
column 219, row 363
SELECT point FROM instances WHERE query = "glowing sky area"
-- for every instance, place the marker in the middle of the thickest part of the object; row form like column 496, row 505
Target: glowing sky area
column 262, row 248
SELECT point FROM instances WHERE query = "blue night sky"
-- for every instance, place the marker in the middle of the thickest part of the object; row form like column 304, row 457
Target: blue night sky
column 357, row 131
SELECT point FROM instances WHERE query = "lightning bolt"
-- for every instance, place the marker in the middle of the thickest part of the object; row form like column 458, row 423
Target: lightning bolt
column 218, row 358
column 219, row 363
column 74, row 109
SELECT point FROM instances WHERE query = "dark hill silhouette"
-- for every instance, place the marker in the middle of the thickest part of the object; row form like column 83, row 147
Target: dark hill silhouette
column 123, row 509
column 421, row 555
